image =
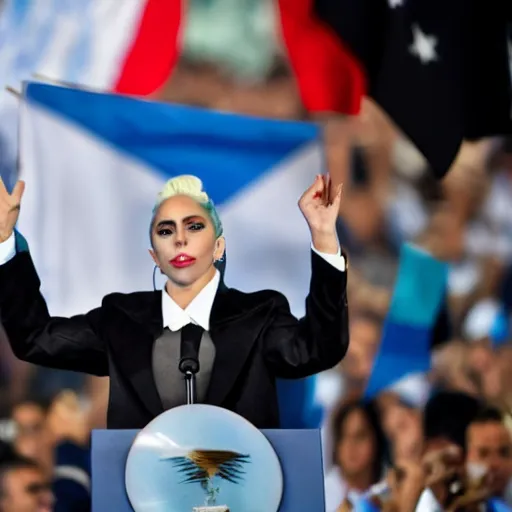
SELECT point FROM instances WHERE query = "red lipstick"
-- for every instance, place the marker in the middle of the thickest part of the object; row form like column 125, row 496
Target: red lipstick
column 182, row 260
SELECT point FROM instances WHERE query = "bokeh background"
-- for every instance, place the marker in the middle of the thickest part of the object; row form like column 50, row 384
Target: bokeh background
column 233, row 59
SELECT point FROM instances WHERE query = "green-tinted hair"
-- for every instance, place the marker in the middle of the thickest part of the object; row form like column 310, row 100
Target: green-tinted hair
column 190, row 186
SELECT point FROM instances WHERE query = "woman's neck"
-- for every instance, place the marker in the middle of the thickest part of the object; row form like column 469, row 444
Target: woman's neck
column 184, row 295
column 360, row 482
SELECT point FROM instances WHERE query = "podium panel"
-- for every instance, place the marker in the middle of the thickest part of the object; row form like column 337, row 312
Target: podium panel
column 299, row 451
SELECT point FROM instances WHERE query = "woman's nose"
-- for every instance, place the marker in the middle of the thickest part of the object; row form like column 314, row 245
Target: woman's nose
column 180, row 238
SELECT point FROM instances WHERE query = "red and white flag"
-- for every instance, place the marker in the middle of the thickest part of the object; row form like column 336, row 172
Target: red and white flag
column 132, row 47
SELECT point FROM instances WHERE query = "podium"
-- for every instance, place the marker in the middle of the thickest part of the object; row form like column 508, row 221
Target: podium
column 299, row 452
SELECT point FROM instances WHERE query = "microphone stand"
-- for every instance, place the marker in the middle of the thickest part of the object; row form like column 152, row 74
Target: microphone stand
column 190, row 383
column 189, row 367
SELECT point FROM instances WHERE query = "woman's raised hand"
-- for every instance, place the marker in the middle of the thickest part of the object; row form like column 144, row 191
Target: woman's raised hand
column 9, row 208
column 320, row 206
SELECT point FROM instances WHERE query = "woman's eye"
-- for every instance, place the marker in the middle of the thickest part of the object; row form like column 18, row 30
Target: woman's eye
column 164, row 232
column 197, row 226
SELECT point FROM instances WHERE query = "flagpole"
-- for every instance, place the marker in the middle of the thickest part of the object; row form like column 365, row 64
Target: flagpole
column 13, row 91
column 61, row 83
column 69, row 85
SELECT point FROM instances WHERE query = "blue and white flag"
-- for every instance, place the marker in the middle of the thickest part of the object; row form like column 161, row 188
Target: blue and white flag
column 405, row 349
column 93, row 164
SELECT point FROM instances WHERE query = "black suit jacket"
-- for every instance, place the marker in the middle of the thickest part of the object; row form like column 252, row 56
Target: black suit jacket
column 256, row 337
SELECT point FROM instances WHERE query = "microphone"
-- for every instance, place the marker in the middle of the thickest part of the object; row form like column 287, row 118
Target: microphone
column 189, row 350
column 189, row 358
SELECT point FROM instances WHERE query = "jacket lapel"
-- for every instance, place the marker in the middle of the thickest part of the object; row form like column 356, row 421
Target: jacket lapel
column 234, row 327
column 140, row 326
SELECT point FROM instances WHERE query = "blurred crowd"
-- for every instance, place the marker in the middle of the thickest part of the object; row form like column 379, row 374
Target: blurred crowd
column 440, row 441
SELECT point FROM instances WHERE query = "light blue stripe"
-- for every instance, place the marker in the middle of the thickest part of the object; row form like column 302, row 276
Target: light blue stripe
column 420, row 288
column 404, row 350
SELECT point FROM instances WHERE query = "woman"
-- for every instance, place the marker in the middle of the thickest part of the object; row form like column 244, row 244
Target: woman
column 359, row 454
column 243, row 340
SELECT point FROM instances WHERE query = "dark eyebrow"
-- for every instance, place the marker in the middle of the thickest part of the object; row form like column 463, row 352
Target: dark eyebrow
column 170, row 222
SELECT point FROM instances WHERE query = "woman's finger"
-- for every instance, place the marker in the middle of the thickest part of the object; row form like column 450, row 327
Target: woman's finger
column 336, row 201
column 314, row 191
column 3, row 190
column 17, row 192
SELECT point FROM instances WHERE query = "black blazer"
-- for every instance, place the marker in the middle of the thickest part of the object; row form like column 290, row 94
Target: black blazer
column 256, row 338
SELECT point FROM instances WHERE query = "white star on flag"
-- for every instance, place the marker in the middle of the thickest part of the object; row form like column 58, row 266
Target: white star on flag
column 424, row 46
column 395, row 3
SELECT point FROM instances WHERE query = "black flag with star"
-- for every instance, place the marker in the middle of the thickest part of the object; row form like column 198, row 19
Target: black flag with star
column 440, row 69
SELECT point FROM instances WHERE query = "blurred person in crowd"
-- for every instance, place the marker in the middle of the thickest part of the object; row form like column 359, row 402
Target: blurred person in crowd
column 55, row 436
column 446, row 418
column 15, row 376
column 231, row 60
column 504, row 358
column 359, row 453
column 402, row 424
column 484, row 368
column 348, row 379
column 402, row 488
column 21, row 379
column 450, row 370
column 24, row 487
column 365, row 328
column 96, row 399
column 67, row 426
column 135, row 338
column 30, row 433
column 67, row 420
column 367, row 297
column 438, row 482
column 480, row 190
column 489, row 443
column 29, row 416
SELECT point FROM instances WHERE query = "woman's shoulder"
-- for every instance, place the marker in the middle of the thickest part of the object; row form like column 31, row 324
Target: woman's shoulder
column 255, row 297
column 132, row 300
column 237, row 301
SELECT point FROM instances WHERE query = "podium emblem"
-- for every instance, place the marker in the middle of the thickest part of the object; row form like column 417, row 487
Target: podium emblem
column 202, row 458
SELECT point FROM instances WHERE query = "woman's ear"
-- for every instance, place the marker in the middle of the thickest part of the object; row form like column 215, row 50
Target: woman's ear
column 220, row 247
column 154, row 257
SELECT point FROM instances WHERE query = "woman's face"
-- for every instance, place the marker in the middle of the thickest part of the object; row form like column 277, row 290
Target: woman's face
column 356, row 448
column 402, row 426
column 184, row 243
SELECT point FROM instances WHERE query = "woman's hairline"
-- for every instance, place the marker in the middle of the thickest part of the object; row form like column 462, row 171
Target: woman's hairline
column 202, row 204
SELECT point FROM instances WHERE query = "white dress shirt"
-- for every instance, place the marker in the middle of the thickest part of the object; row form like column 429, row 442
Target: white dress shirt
column 7, row 250
column 198, row 311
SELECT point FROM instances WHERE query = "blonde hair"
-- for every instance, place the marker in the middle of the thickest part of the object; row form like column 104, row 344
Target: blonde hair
column 190, row 186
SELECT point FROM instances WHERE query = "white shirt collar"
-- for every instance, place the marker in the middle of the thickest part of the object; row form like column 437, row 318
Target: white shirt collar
column 197, row 312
